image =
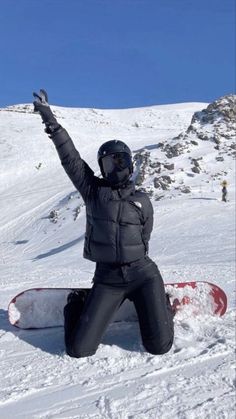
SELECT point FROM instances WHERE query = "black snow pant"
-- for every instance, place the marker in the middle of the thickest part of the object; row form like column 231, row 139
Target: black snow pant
column 140, row 282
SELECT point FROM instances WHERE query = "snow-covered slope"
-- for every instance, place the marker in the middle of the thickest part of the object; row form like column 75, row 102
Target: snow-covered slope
column 182, row 152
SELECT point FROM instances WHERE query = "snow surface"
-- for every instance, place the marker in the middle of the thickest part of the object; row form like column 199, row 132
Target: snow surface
column 193, row 239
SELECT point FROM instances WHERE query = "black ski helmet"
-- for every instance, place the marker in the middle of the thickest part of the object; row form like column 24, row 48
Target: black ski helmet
column 111, row 147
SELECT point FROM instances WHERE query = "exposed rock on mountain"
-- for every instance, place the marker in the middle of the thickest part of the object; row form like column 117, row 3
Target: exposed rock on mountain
column 216, row 122
column 211, row 133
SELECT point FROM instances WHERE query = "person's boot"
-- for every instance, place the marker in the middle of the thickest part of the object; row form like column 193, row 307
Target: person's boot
column 72, row 312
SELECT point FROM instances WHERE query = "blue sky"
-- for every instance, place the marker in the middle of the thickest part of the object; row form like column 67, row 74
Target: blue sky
column 117, row 53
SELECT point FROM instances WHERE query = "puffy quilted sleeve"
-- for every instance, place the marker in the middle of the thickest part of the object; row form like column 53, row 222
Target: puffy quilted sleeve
column 76, row 168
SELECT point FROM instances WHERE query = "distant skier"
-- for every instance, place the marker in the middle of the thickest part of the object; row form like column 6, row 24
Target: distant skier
column 118, row 229
column 224, row 191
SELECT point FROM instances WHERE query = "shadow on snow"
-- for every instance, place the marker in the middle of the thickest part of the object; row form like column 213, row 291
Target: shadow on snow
column 51, row 340
column 59, row 249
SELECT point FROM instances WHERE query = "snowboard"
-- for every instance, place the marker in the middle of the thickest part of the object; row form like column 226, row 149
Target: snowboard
column 43, row 307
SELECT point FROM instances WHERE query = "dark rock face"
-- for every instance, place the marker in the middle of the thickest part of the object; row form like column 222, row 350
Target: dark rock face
column 174, row 150
column 216, row 124
column 162, row 182
column 142, row 161
column 220, row 119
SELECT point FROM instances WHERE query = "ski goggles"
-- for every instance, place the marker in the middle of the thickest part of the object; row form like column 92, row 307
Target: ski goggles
column 114, row 161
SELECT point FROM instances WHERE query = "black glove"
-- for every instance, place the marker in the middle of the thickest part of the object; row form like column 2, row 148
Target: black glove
column 41, row 105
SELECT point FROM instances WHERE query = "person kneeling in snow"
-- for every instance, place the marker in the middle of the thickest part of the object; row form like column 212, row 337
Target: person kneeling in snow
column 118, row 229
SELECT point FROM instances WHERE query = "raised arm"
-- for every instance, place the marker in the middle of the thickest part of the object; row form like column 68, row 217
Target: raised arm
column 76, row 168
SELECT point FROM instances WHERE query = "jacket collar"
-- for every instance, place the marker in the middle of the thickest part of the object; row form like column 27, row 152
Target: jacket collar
column 124, row 191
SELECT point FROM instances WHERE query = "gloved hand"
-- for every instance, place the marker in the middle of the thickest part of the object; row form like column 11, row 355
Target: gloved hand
column 41, row 105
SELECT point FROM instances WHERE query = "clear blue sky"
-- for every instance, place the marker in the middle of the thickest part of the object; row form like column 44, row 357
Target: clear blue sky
column 117, row 53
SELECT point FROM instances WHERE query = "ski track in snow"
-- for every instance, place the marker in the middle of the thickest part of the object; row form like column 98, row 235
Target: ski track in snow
column 192, row 240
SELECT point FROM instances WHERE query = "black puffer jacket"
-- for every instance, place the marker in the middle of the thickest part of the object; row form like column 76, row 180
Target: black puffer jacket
column 119, row 221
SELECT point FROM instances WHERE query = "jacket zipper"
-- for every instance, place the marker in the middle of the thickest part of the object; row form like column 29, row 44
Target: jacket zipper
column 118, row 229
column 89, row 238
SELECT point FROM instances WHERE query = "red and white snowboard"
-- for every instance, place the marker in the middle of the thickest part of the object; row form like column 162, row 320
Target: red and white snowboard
column 43, row 307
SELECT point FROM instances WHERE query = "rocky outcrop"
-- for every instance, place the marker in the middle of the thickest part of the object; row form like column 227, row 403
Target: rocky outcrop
column 147, row 166
column 216, row 122
column 166, row 175
column 174, row 150
column 142, row 162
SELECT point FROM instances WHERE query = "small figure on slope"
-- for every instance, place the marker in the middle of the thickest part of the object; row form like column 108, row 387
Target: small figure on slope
column 224, row 191
column 118, row 229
